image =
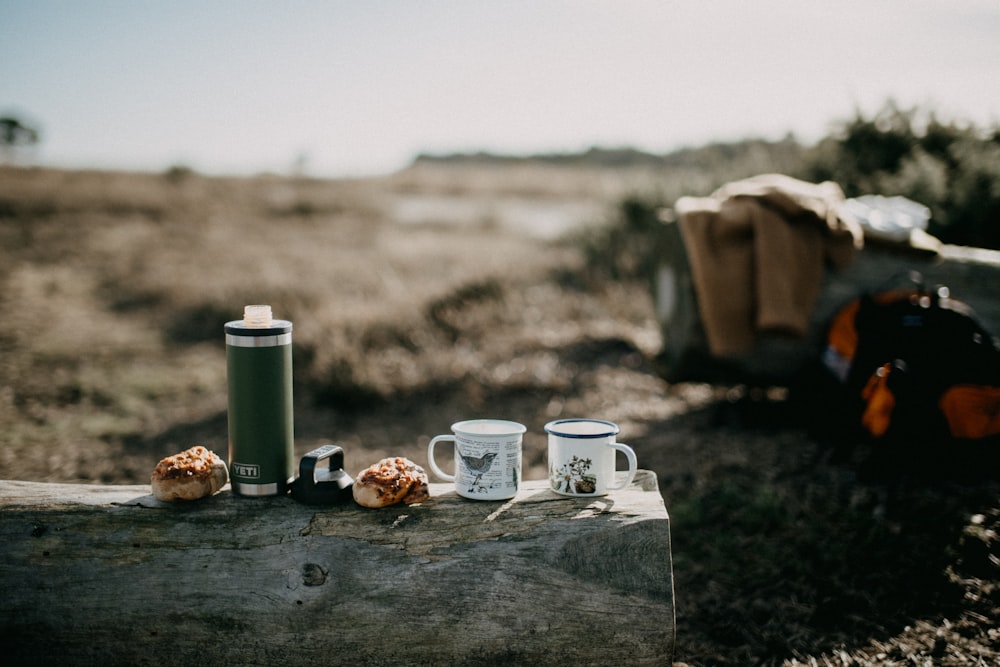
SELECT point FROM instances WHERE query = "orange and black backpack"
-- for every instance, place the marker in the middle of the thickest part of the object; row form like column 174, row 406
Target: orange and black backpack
column 914, row 366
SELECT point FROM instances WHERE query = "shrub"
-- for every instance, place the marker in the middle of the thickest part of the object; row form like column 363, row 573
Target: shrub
column 952, row 169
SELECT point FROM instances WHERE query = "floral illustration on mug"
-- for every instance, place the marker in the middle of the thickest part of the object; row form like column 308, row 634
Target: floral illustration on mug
column 479, row 466
column 572, row 477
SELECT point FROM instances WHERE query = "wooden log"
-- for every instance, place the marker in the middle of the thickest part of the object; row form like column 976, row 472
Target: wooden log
column 111, row 576
column 971, row 274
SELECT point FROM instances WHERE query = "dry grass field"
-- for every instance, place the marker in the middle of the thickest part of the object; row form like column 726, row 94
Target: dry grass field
column 116, row 287
column 441, row 293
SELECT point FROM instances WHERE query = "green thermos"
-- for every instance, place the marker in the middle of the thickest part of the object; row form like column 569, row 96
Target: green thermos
column 259, row 373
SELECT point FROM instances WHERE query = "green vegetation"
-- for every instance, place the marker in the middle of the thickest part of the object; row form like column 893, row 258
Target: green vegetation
column 953, row 169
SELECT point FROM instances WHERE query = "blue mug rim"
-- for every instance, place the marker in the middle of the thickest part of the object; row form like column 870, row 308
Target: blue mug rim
column 553, row 428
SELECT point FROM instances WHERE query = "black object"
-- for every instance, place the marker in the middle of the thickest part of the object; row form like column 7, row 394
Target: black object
column 325, row 486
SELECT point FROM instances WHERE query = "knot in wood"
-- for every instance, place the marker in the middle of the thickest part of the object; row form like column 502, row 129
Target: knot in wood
column 313, row 574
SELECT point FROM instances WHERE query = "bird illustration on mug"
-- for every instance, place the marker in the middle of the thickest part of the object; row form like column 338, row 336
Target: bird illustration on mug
column 479, row 465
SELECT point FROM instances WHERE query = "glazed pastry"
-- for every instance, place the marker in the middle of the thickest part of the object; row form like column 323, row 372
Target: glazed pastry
column 391, row 481
column 192, row 474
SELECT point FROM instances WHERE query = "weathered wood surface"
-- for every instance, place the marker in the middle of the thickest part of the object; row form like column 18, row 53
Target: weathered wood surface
column 109, row 575
column 971, row 274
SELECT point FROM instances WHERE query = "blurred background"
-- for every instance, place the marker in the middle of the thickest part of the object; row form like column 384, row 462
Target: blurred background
column 459, row 206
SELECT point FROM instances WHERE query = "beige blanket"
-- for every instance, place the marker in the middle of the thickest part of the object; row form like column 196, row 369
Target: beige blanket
column 758, row 248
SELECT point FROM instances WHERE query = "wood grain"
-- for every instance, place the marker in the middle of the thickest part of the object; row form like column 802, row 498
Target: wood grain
column 110, row 575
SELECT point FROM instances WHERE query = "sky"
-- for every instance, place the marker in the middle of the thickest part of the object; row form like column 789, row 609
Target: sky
column 351, row 88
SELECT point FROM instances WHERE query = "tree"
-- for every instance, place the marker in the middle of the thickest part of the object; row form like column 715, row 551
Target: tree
column 15, row 134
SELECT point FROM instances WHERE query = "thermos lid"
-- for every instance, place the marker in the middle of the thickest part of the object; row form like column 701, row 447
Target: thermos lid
column 323, row 486
column 257, row 321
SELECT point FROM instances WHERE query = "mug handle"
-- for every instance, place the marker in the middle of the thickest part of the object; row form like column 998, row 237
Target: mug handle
column 430, row 456
column 632, row 464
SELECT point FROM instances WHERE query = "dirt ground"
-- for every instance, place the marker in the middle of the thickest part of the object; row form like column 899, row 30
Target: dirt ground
column 788, row 549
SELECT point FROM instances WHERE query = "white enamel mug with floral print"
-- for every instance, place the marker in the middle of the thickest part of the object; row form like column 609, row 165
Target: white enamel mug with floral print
column 583, row 457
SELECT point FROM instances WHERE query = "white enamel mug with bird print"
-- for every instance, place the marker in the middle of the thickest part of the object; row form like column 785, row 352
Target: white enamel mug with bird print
column 487, row 458
column 582, row 457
